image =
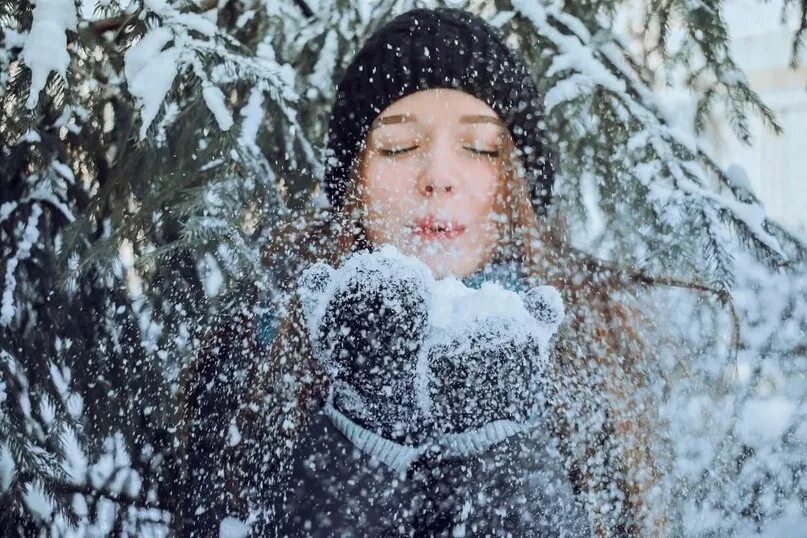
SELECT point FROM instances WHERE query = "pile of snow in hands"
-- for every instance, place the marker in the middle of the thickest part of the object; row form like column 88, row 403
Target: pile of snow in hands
column 462, row 321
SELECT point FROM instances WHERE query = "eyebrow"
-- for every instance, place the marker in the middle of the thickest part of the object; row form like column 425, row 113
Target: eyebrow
column 482, row 118
column 406, row 118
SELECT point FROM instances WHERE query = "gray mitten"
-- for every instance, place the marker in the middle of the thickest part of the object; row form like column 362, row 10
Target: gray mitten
column 367, row 322
column 489, row 366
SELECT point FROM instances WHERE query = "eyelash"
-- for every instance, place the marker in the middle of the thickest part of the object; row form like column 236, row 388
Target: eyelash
column 394, row 152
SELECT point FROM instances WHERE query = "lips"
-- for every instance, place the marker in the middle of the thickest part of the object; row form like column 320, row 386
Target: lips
column 434, row 228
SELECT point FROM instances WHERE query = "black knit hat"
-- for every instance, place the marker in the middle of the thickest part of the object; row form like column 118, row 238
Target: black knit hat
column 437, row 48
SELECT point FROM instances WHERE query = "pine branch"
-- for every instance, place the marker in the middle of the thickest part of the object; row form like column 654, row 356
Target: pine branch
column 799, row 36
column 722, row 294
column 96, row 493
column 118, row 21
column 114, row 23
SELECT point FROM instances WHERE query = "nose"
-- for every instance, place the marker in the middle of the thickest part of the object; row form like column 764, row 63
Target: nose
column 429, row 188
column 437, row 175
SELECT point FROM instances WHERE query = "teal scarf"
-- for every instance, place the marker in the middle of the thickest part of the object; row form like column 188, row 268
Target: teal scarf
column 510, row 275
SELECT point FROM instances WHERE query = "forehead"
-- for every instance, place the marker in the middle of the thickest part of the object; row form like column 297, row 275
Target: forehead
column 438, row 106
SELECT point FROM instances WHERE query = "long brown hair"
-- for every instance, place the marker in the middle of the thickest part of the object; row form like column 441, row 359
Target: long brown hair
column 603, row 414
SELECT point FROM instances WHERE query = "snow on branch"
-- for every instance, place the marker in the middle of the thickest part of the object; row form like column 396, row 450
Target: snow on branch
column 668, row 167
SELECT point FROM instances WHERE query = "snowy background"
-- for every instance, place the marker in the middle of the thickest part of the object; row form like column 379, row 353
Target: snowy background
column 775, row 167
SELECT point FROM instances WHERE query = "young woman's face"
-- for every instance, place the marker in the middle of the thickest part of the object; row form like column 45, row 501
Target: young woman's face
column 431, row 179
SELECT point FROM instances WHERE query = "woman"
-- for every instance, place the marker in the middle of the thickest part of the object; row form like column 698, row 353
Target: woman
column 435, row 135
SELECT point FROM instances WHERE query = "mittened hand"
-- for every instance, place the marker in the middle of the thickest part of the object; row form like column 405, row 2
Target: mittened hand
column 367, row 322
column 411, row 357
column 490, row 367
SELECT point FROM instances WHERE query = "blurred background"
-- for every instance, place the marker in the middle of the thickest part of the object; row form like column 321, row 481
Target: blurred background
column 776, row 164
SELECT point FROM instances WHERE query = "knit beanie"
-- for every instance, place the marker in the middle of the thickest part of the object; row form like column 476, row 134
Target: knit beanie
column 437, row 48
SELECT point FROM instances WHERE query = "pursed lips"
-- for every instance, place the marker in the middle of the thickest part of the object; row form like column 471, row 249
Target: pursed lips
column 434, row 228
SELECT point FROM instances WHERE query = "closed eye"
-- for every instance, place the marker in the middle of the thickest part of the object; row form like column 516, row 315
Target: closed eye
column 489, row 153
column 396, row 151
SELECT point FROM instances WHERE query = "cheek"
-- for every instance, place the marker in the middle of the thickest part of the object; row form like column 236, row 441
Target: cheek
column 482, row 195
column 388, row 182
column 387, row 193
column 485, row 209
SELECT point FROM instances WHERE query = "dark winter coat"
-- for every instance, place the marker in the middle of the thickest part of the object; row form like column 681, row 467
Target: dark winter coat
column 516, row 487
column 347, row 481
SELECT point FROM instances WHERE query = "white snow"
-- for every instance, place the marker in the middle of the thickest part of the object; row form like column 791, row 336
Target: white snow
column 6, row 208
column 590, row 197
column 31, row 136
column 738, row 177
column 61, row 379
column 38, row 501
column 7, row 466
column 75, row 462
column 231, row 527
column 502, row 18
column 211, row 275
column 47, row 411
column 64, row 171
column 322, row 75
column 775, row 328
column 214, row 98
column 764, row 420
column 197, row 22
column 253, row 115
column 74, row 405
column 29, row 237
column 45, row 47
column 157, row 6
column 233, row 434
column 150, row 73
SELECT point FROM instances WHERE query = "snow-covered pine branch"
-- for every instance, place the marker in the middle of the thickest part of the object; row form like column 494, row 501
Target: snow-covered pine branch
column 655, row 186
column 740, row 444
column 50, row 477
